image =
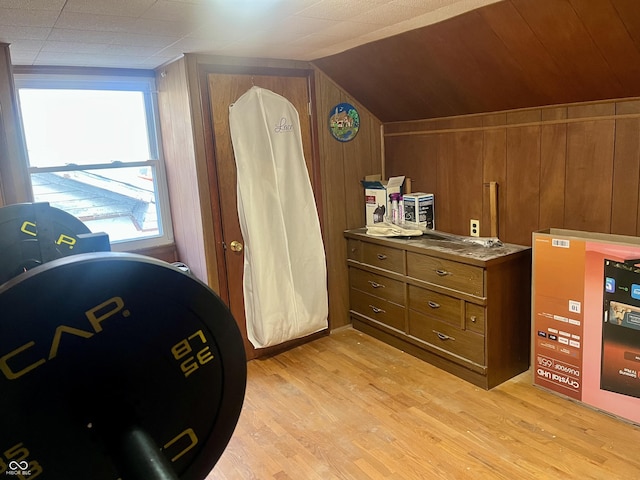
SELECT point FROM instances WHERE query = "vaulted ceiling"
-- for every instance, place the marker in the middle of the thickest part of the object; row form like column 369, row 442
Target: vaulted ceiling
column 507, row 55
column 147, row 33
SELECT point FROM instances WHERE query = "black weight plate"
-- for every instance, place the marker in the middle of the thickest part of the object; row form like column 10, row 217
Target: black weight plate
column 20, row 236
column 93, row 344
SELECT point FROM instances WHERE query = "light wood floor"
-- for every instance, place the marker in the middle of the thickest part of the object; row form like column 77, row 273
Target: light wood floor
column 350, row 407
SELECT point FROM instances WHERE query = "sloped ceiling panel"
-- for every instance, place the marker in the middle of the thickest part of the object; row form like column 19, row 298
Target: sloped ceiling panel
column 508, row 55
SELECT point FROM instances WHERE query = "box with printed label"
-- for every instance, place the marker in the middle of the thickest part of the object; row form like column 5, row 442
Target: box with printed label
column 586, row 318
column 377, row 202
column 375, row 198
column 418, row 209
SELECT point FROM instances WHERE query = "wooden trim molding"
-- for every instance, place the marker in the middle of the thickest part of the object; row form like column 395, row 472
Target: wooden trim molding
column 554, row 115
column 16, row 187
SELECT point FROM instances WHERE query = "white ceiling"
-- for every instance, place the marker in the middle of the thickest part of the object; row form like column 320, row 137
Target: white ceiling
column 148, row 33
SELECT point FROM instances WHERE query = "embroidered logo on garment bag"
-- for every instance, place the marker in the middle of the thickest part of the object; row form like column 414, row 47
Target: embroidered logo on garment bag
column 283, row 126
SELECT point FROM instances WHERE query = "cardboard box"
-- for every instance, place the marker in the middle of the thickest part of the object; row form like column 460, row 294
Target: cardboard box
column 418, row 209
column 376, row 195
column 586, row 319
column 375, row 198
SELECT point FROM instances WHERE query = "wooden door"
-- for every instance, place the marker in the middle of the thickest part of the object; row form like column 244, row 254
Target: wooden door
column 224, row 89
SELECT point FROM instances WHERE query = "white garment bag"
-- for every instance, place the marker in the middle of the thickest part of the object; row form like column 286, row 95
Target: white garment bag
column 285, row 277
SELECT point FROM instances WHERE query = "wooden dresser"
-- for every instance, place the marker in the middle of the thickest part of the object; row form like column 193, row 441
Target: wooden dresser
column 460, row 306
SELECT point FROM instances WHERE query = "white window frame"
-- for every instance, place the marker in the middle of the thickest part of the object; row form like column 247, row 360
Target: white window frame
column 146, row 85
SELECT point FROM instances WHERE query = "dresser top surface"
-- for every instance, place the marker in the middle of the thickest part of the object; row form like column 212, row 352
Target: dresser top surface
column 443, row 243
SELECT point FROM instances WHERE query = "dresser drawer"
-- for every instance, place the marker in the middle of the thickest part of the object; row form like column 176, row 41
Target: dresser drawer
column 450, row 274
column 354, row 250
column 443, row 307
column 383, row 257
column 463, row 343
column 377, row 309
column 474, row 318
column 377, row 285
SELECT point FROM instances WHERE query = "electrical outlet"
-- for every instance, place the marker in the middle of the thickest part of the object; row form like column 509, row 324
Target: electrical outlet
column 475, row 228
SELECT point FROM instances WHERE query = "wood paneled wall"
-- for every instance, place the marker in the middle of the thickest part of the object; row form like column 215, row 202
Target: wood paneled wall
column 180, row 163
column 343, row 165
column 567, row 166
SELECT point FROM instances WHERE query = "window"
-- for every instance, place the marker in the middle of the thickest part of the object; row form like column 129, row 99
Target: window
column 93, row 151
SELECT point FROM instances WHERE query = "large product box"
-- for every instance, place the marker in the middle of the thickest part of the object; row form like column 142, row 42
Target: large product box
column 586, row 318
column 376, row 194
column 418, row 209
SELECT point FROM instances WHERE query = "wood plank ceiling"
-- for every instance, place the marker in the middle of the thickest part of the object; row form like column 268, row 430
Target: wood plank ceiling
column 508, row 55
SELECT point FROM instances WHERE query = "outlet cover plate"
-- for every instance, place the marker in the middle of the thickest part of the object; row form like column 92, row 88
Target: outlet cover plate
column 474, row 228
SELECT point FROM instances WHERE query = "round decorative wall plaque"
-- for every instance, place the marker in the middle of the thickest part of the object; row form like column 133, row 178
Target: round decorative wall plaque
column 344, row 122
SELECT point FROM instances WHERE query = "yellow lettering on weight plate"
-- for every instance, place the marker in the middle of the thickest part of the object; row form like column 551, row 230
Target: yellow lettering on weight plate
column 95, row 315
column 116, row 304
column 26, row 226
column 184, row 348
column 190, row 435
column 67, row 240
column 6, row 369
column 58, row 335
column 30, row 228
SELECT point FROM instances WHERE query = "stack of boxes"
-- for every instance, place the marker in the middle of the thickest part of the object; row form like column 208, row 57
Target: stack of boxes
column 414, row 209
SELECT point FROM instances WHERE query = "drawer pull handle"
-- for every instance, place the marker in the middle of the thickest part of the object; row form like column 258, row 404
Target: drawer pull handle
column 376, row 309
column 442, row 336
column 381, row 256
column 442, row 273
column 473, row 318
column 376, row 284
column 433, row 304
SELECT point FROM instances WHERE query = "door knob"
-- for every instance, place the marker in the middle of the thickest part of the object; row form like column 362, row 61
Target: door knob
column 236, row 246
